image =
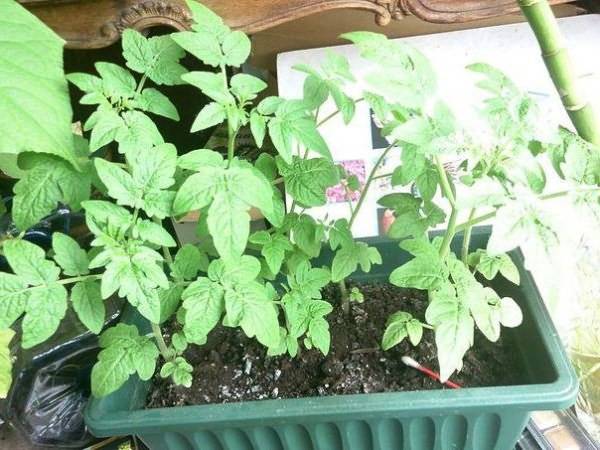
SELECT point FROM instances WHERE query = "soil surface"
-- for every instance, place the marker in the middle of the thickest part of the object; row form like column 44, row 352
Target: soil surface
column 232, row 368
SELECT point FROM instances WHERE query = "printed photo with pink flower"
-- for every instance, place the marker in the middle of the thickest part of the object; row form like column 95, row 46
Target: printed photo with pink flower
column 342, row 192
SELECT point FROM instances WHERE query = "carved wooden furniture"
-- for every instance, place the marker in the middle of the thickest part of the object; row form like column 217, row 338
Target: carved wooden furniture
column 99, row 23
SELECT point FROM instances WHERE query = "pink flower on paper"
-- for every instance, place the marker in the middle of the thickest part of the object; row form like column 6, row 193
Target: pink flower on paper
column 340, row 192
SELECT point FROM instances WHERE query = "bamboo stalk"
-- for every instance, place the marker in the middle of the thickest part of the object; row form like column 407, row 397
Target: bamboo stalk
column 558, row 62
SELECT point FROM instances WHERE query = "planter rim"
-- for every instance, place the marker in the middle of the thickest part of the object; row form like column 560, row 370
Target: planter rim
column 557, row 394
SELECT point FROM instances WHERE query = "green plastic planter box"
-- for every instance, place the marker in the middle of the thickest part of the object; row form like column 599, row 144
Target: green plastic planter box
column 490, row 418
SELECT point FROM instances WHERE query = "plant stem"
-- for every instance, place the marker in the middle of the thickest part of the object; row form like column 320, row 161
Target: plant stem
column 344, row 297
column 165, row 250
column 385, row 175
column 335, row 113
column 231, row 136
column 467, row 238
column 556, row 57
column 449, row 194
column 77, row 279
column 370, row 179
column 477, row 220
column 449, row 234
column 160, row 341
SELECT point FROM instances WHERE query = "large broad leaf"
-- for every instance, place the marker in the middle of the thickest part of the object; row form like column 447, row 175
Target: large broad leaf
column 5, row 362
column 35, row 109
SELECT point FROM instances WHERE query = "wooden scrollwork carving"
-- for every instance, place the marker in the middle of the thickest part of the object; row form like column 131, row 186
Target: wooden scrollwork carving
column 98, row 23
column 148, row 14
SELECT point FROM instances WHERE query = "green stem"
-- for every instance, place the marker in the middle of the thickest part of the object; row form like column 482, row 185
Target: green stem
column 160, row 341
column 165, row 250
column 335, row 113
column 77, row 279
column 344, row 297
column 449, row 234
column 445, row 182
column 385, row 175
column 370, row 179
column 477, row 220
column 138, row 91
column 231, row 136
column 467, row 238
column 558, row 62
column 426, row 325
column 449, row 194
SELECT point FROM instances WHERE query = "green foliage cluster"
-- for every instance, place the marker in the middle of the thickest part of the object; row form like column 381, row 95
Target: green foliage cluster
column 267, row 283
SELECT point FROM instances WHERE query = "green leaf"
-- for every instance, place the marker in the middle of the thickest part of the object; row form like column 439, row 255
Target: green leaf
column 273, row 248
column 188, row 261
column 124, row 353
column 157, row 57
column 416, row 131
column 198, row 190
column 340, row 234
column 309, row 281
column 337, row 66
column 211, row 84
column 490, row 265
column 29, row 262
column 229, row 224
column 236, row 47
column 258, row 127
column 413, row 165
column 138, row 135
column 44, row 310
column 86, row 82
column 170, row 300
column 423, row 272
column 136, row 277
column 307, row 180
column 120, row 184
column 347, row 259
column 308, row 235
column 280, row 133
column 88, row 304
column 510, row 313
column 521, row 224
column 206, row 20
column 211, row 115
column 453, row 328
column 13, row 298
column 33, row 87
column 305, row 131
column 180, row 370
column 258, row 314
column 427, row 182
column 197, row 159
column 203, row 45
column 316, row 91
column 69, row 255
column 246, row 87
column 156, row 102
column 396, row 329
column 154, row 233
column 105, row 129
column 117, row 82
column 203, row 301
column 269, row 105
column 250, row 186
column 344, row 103
column 319, row 334
column 47, row 183
column 5, row 362
column 154, row 169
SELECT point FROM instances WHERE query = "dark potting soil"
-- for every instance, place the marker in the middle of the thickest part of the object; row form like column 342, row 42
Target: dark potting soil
column 232, row 368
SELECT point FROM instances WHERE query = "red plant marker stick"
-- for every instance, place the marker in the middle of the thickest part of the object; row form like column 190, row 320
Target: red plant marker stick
column 430, row 373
